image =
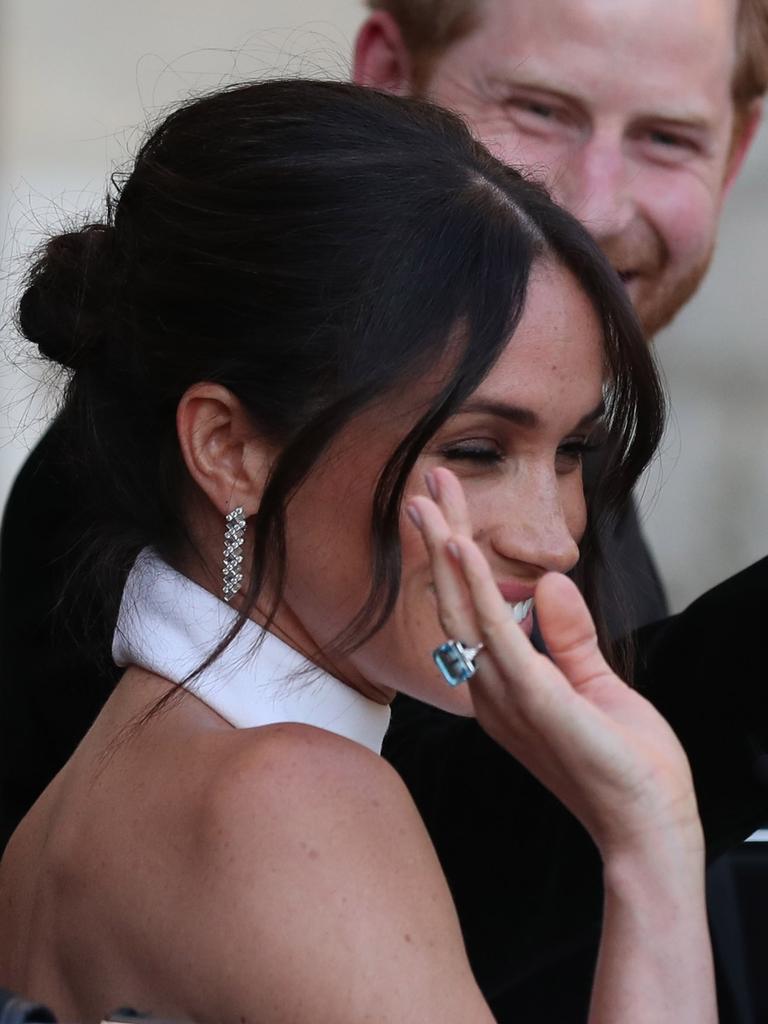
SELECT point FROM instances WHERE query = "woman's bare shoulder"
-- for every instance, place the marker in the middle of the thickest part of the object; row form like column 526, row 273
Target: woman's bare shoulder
column 295, row 774
column 306, row 801
column 319, row 888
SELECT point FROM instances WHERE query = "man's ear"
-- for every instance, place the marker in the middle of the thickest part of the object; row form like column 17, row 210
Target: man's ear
column 381, row 58
column 224, row 457
column 745, row 128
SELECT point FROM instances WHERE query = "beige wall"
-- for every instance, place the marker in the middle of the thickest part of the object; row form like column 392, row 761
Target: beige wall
column 77, row 76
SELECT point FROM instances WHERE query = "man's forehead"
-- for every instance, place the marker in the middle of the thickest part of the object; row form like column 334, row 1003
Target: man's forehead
column 700, row 17
column 620, row 29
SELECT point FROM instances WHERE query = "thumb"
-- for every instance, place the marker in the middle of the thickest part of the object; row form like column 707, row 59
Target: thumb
column 568, row 630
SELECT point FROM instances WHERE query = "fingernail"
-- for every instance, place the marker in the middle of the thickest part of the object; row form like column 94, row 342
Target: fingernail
column 454, row 549
column 414, row 515
column 429, row 478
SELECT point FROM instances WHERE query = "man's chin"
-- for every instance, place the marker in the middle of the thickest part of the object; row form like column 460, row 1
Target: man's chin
column 658, row 303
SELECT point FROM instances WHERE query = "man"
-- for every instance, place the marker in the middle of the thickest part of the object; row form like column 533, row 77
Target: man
column 638, row 115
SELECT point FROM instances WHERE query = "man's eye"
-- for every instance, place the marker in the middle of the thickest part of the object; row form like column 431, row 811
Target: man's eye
column 540, row 116
column 671, row 144
column 662, row 138
column 539, row 109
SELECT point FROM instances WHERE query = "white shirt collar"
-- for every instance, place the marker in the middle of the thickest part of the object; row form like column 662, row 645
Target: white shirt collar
column 169, row 625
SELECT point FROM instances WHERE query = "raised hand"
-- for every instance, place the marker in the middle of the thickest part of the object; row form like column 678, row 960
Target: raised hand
column 599, row 746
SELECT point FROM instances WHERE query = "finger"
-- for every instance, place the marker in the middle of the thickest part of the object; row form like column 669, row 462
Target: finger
column 449, row 495
column 454, row 606
column 508, row 645
column 568, row 630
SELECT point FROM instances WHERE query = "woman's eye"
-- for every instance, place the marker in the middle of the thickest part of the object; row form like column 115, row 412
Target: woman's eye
column 473, row 451
column 571, row 452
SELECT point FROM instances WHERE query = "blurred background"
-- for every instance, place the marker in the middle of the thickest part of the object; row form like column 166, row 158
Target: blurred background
column 77, row 78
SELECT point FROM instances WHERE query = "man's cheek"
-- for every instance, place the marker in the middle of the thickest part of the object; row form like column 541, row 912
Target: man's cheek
column 687, row 223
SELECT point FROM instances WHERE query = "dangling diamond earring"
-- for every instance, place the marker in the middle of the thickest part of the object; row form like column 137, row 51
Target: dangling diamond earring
column 234, row 532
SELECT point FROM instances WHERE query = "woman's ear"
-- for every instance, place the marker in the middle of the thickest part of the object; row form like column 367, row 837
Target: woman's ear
column 222, row 453
column 381, row 58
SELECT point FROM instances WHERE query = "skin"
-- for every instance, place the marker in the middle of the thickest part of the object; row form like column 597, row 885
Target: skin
column 182, row 865
column 623, row 110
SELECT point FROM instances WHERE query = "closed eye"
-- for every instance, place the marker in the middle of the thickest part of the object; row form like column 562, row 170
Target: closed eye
column 483, row 452
column 571, row 452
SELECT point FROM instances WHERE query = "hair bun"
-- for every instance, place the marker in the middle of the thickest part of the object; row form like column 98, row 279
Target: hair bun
column 62, row 309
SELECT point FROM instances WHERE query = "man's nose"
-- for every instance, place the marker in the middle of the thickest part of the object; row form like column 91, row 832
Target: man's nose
column 595, row 185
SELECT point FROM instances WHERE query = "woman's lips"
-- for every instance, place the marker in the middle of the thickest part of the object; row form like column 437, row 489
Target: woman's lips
column 518, row 599
column 521, row 609
column 516, row 593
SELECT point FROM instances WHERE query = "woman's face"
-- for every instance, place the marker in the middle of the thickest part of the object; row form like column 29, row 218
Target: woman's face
column 516, row 446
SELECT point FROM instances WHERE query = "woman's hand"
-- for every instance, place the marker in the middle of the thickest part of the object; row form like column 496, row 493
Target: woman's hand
column 599, row 746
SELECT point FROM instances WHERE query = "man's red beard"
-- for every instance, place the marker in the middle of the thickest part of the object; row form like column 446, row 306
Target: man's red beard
column 656, row 296
column 664, row 300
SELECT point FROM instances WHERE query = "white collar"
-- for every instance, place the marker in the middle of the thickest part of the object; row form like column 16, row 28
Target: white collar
column 169, row 625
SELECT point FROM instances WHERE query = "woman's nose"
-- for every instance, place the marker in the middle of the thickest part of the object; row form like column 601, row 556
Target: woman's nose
column 538, row 529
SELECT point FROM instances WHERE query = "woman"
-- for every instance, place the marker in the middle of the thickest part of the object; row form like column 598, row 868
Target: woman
column 324, row 327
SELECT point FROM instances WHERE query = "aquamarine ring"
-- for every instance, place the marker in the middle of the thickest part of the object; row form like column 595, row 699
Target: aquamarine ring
column 456, row 661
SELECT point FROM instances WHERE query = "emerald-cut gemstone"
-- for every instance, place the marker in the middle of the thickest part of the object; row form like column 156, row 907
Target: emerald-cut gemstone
column 455, row 661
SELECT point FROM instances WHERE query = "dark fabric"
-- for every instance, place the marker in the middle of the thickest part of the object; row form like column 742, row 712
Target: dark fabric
column 52, row 685
column 630, row 589
column 524, row 874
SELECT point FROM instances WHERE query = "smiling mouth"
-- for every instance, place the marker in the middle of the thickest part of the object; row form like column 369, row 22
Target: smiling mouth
column 521, row 609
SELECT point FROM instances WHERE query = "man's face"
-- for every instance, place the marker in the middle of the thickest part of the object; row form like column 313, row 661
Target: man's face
column 623, row 108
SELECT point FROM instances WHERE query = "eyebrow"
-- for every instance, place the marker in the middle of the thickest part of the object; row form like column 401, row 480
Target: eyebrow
column 527, row 418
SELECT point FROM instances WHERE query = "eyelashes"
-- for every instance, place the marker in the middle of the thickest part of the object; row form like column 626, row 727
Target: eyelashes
column 490, row 454
column 473, row 452
column 579, row 448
